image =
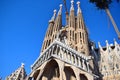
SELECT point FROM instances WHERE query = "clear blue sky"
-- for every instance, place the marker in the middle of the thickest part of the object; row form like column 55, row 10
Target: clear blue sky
column 23, row 24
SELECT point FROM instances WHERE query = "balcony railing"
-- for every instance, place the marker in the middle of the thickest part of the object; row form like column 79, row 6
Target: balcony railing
column 65, row 53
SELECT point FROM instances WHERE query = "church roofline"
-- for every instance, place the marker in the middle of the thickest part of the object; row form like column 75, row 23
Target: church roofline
column 68, row 47
column 56, row 42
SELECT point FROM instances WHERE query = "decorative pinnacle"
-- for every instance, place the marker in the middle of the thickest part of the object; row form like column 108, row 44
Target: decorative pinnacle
column 53, row 18
column 115, row 42
column 72, row 5
column 79, row 10
column 55, row 11
column 107, row 43
column 22, row 64
column 60, row 10
column 99, row 45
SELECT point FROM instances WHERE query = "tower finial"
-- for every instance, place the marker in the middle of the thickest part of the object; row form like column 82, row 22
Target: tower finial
column 79, row 10
column 53, row 17
column 107, row 44
column 22, row 64
column 115, row 42
column 99, row 45
column 60, row 10
column 72, row 5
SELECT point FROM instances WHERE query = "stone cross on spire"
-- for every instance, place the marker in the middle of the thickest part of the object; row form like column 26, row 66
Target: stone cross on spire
column 60, row 10
column 79, row 10
column 54, row 15
column 72, row 5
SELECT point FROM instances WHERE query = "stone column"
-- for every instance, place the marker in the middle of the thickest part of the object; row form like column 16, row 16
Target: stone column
column 75, row 59
column 83, row 63
column 58, row 54
column 43, row 57
column 70, row 57
column 79, row 62
column 88, row 69
column 61, row 69
column 67, row 56
column 64, row 54
column 49, row 53
column 52, row 50
column 40, row 73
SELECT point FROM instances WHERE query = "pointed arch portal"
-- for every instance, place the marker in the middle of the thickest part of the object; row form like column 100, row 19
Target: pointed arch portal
column 51, row 71
column 69, row 73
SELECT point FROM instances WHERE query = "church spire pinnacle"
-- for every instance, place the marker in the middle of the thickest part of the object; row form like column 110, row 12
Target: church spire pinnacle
column 60, row 10
column 54, row 15
column 79, row 10
column 72, row 5
column 115, row 42
column 22, row 64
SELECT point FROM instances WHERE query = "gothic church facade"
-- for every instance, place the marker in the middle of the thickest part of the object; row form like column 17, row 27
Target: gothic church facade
column 68, row 54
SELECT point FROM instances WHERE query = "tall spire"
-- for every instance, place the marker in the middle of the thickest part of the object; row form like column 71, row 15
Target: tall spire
column 54, row 15
column 57, row 24
column 72, row 16
column 60, row 10
column 72, row 5
column 79, row 10
column 49, row 31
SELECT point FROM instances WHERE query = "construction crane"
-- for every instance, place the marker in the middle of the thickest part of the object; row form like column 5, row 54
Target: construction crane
column 64, row 1
column 66, row 10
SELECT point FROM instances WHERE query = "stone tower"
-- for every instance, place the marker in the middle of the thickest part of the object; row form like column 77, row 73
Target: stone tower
column 54, row 27
column 65, row 52
column 77, row 33
column 18, row 74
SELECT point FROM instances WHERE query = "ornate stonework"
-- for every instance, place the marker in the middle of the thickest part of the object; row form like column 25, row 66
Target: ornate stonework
column 110, row 61
column 65, row 54
column 19, row 74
